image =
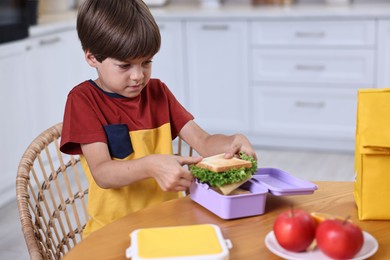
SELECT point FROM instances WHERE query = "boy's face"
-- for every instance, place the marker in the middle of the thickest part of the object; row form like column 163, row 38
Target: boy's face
column 126, row 78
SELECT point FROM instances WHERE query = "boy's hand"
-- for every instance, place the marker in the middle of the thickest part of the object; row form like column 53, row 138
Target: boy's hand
column 240, row 144
column 169, row 172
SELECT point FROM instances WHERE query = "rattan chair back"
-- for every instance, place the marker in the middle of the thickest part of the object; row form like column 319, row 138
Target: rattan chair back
column 51, row 191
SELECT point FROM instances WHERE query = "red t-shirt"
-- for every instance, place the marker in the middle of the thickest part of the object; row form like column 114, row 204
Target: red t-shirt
column 90, row 111
column 132, row 128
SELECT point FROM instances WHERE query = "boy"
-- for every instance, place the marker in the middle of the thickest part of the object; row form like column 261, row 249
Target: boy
column 123, row 123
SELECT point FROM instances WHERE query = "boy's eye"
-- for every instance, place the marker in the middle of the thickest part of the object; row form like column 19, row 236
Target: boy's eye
column 147, row 63
column 124, row 66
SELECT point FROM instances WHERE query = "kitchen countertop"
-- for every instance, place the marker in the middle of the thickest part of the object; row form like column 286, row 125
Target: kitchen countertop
column 275, row 11
column 51, row 23
column 67, row 20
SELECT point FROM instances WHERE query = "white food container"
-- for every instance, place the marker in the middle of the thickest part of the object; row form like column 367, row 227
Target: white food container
column 193, row 242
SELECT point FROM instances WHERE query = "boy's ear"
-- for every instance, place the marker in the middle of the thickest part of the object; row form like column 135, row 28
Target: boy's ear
column 90, row 58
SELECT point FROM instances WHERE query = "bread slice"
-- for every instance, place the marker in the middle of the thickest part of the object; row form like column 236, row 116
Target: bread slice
column 218, row 163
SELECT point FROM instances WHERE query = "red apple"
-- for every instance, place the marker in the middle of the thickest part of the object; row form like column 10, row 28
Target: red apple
column 339, row 239
column 294, row 230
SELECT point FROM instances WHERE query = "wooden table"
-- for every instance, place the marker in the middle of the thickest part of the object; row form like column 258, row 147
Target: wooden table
column 246, row 234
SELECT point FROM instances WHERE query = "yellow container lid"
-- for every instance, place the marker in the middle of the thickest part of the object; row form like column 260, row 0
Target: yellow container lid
column 179, row 242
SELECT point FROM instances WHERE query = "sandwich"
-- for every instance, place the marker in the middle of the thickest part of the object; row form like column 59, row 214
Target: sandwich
column 224, row 175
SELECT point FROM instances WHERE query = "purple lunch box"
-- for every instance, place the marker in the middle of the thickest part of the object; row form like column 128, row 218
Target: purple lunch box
column 264, row 181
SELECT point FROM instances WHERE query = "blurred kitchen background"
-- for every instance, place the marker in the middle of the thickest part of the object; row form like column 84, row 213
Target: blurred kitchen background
column 283, row 72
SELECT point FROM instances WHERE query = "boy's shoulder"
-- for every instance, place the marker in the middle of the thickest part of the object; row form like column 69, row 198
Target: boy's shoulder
column 157, row 85
column 83, row 86
column 156, row 81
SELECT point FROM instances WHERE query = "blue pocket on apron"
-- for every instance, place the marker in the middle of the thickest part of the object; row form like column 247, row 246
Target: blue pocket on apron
column 119, row 142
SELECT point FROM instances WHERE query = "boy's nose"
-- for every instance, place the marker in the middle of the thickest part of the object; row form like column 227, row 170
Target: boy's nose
column 136, row 74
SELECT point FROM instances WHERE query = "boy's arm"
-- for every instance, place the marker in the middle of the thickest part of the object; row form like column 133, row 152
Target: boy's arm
column 207, row 145
column 167, row 170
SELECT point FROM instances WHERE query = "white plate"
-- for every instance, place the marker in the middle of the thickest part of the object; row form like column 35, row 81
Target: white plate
column 369, row 248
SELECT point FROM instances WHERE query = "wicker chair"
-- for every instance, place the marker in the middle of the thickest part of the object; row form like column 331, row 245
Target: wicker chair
column 51, row 190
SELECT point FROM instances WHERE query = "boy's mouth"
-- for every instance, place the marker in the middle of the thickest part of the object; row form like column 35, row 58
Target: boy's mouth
column 135, row 87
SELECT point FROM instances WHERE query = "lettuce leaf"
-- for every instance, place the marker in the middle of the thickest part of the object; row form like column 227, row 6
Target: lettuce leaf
column 223, row 178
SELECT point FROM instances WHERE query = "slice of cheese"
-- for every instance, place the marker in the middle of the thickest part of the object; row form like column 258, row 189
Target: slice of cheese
column 228, row 188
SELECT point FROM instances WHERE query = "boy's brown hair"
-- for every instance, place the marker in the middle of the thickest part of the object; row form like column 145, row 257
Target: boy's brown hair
column 118, row 29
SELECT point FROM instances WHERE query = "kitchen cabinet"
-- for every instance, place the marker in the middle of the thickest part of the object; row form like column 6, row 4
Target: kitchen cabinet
column 15, row 113
column 314, row 32
column 310, row 112
column 217, row 66
column 383, row 54
column 55, row 65
column 36, row 75
column 313, row 65
column 304, row 80
column 283, row 85
column 168, row 63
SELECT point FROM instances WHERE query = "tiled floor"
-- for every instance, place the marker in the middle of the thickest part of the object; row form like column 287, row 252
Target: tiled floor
column 305, row 165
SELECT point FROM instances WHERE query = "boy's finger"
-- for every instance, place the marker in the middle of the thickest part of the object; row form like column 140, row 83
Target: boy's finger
column 228, row 155
column 189, row 160
column 234, row 149
column 186, row 182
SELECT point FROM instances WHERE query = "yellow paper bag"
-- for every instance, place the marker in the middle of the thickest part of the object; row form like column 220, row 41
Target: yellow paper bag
column 372, row 154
